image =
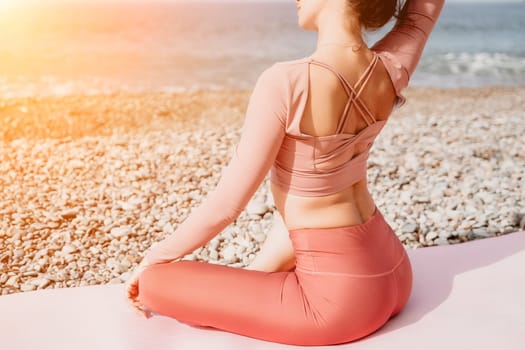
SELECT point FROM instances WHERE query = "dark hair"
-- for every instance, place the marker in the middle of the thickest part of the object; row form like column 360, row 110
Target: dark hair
column 374, row 14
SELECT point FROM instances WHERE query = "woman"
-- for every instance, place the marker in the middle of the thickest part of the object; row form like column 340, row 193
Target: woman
column 332, row 270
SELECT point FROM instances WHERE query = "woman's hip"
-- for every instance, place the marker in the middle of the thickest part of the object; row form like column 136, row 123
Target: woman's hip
column 364, row 250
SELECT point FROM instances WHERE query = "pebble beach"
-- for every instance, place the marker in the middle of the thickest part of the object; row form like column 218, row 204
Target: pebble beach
column 88, row 183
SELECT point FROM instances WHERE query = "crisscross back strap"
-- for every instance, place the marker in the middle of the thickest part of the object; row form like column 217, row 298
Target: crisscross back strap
column 353, row 96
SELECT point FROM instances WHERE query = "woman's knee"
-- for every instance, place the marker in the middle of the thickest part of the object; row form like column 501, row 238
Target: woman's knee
column 146, row 283
column 150, row 286
column 157, row 278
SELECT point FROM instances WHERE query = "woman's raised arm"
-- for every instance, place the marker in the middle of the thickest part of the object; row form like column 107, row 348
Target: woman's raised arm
column 404, row 43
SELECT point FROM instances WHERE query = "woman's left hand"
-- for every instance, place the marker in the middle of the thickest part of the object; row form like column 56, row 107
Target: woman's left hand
column 132, row 289
column 154, row 256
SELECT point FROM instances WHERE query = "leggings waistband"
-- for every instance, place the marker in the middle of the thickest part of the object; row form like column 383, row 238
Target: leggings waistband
column 369, row 249
column 328, row 273
column 373, row 219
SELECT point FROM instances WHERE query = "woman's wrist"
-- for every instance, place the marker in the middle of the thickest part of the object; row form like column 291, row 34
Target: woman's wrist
column 158, row 255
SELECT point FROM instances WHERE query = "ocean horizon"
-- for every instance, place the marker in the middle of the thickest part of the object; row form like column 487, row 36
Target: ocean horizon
column 83, row 48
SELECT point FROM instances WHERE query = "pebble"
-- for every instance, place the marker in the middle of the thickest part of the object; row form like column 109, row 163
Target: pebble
column 409, row 228
column 480, row 232
column 214, row 255
column 442, row 241
column 68, row 249
column 26, row 287
column 431, row 236
column 214, row 244
column 228, row 254
column 69, row 214
column 257, row 208
column 12, row 281
column 168, row 228
column 120, row 231
column 40, row 283
column 53, row 224
column 259, row 237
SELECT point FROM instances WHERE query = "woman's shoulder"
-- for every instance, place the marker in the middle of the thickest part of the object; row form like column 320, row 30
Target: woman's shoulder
column 288, row 71
column 281, row 80
column 284, row 72
column 291, row 66
column 294, row 61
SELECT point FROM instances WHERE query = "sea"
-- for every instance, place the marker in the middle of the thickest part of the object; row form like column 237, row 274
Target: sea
column 57, row 48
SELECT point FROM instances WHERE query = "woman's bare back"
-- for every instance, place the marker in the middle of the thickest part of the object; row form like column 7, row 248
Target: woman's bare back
column 324, row 106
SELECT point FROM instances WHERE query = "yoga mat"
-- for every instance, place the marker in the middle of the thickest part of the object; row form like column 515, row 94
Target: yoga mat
column 465, row 296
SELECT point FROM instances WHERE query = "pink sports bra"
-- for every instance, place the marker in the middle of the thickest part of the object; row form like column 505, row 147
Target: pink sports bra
column 302, row 164
column 309, row 165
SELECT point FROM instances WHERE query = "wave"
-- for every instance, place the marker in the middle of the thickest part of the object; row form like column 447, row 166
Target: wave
column 52, row 86
column 461, row 69
column 471, row 69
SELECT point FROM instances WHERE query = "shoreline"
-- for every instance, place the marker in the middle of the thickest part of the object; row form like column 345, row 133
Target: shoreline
column 88, row 183
column 102, row 115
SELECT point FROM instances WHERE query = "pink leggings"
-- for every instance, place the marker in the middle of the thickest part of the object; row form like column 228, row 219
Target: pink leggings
column 347, row 283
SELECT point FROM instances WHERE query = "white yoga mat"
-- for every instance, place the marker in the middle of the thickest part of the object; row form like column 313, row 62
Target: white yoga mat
column 465, row 296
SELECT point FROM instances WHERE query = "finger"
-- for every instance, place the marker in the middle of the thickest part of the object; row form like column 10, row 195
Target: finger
column 131, row 284
column 131, row 293
column 141, row 311
column 132, row 289
column 147, row 313
column 133, row 300
column 137, row 303
column 136, row 307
